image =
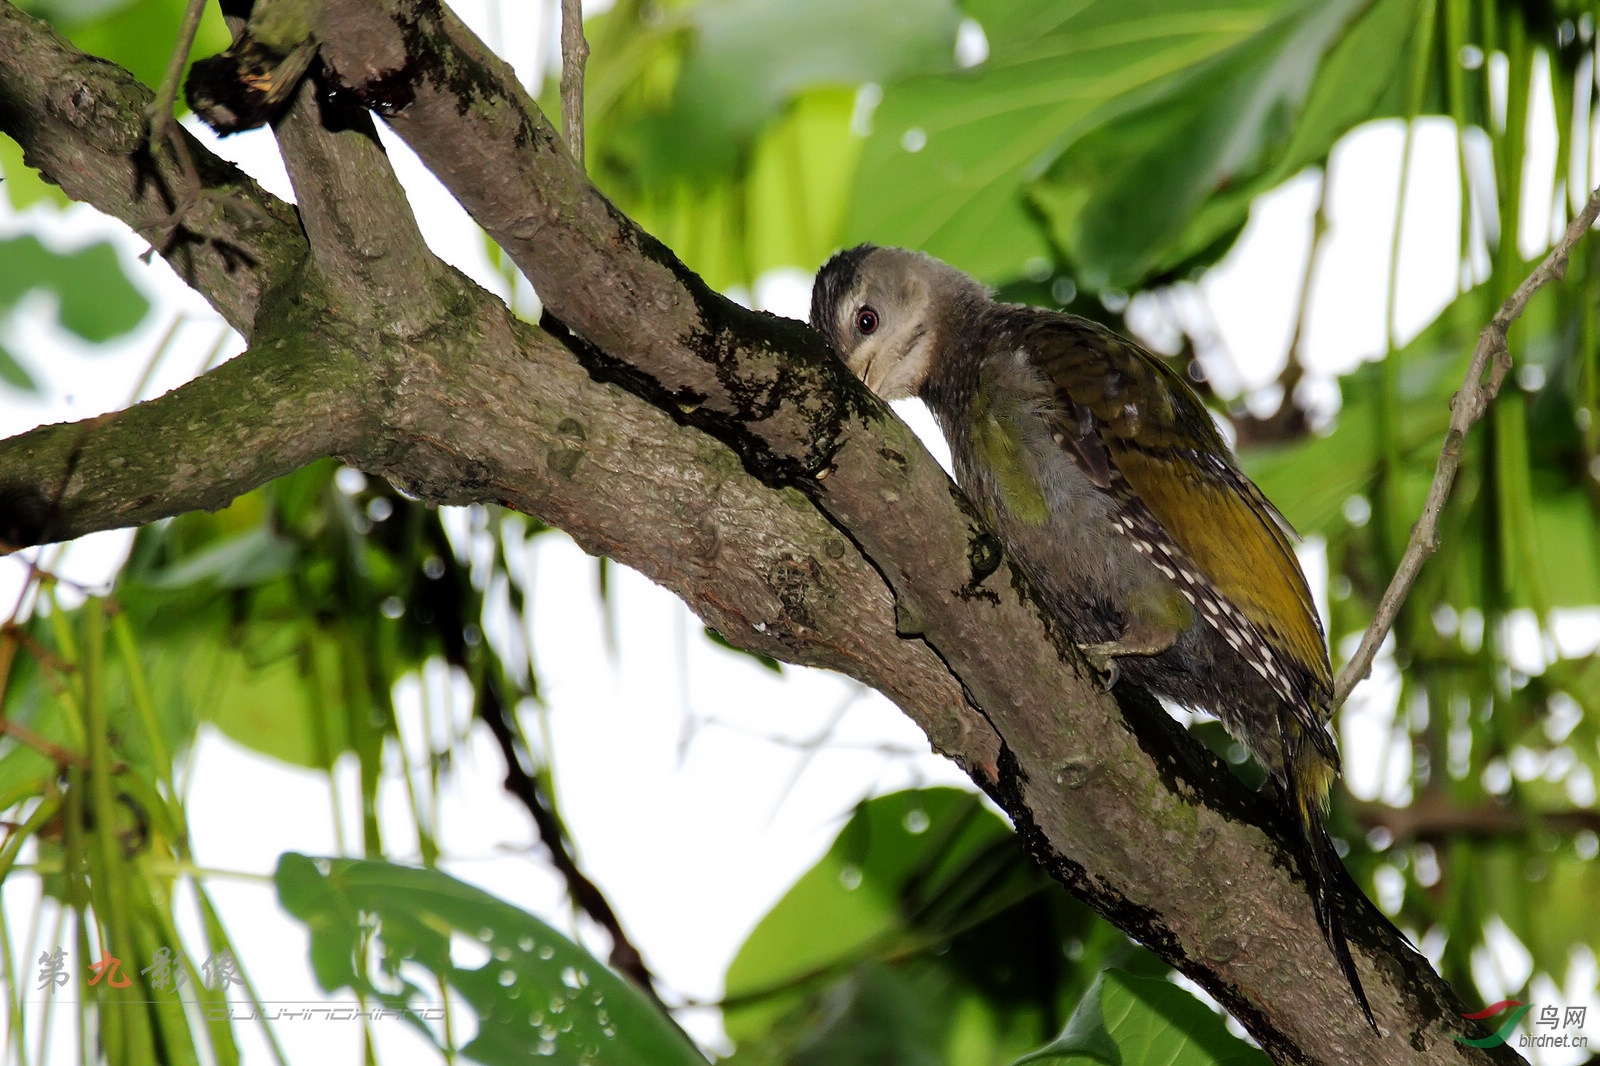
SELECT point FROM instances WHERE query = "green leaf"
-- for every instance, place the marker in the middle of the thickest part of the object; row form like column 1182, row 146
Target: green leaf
column 276, row 690
column 723, row 642
column 1125, row 1020
column 749, row 57
column 538, row 996
column 22, row 185
column 933, row 882
column 1131, row 136
column 14, row 373
column 95, row 300
column 252, row 557
column 949, row 154
column 928, row 920
column 741, row 63
column 29, row 702
column 880, row 1017
column 797, row 187
column 853, row 898
column 783, row 207
column 725, row 128
column 136, row 34
column 1119, row 200
column 1085, row 1036
column 273, row 618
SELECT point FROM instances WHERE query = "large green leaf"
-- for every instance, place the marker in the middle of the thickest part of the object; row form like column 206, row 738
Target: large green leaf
column 1119, row 200
column 852, row 900
column 748, row 58
column 725, row 128
column 539, row 995
column 1130, row 136
column 784, row 206
column 135, row 34
column 925, row 931
column 93, row 297
column 1360, row 79
column 22, row 184
column 1126, row 1020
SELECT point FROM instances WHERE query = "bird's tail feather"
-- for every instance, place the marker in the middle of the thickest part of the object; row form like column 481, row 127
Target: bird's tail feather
column 1308, row 777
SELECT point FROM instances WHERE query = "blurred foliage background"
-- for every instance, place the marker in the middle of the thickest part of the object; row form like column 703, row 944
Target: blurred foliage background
column 1099, row 156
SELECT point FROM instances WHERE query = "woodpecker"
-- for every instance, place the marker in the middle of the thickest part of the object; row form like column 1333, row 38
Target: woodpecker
column 1107, row 481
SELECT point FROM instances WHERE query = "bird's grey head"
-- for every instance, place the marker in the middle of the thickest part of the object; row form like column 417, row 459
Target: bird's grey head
column 883, row 310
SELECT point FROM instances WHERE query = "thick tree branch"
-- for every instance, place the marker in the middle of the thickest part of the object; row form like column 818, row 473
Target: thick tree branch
column 1114, row 800
column 674, row 504
column 1467, row 406
column 82, row 123
column 364, row 238
column 262, row 415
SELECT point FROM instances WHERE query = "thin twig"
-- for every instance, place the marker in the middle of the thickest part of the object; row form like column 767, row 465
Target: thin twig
column 625, row 957
column 1291, row 421
column 1308, row 277
column 167, row 92
column 164, row 132
column 62, row 757
column 1435, row 817
column 574, row 54
column 1466, row 407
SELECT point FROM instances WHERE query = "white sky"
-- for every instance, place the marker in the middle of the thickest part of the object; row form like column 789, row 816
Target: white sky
column 683, row 773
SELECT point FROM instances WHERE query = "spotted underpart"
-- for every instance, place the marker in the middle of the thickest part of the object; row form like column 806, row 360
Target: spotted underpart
column 1149, row 539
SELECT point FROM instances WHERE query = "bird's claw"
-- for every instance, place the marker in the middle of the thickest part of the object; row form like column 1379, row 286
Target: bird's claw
column 1103, row 658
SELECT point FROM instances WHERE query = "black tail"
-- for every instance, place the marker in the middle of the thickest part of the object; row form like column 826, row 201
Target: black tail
column 1308, row 775
column 1323, row 871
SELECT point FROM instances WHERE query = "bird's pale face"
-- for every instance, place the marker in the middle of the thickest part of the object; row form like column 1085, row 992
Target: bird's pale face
column 879, row 318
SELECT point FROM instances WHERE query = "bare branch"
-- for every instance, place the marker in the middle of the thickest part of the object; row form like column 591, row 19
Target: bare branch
column 282, row 408
column 625, row 957
column 1467, row 406
column 1434, row 817
column 574, row 54
column 167, row 91
column 364, row 237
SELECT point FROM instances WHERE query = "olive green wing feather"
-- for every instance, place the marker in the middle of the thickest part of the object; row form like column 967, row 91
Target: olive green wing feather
column 1137, row 429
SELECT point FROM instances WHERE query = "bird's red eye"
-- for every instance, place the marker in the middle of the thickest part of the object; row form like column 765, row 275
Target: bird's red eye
column 866, row 320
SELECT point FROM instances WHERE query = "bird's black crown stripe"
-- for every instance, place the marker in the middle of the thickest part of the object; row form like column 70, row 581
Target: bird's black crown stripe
column 834, row 281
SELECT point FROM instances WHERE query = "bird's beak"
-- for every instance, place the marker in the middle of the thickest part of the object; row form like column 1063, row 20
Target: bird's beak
column 866, row 370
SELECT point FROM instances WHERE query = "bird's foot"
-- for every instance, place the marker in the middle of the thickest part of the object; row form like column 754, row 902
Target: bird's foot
column 1103, row 657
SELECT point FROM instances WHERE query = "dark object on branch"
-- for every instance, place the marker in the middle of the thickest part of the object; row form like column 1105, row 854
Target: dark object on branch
column 247, row 86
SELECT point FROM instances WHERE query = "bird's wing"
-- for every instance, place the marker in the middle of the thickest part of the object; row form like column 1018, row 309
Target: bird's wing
column 1137, row 430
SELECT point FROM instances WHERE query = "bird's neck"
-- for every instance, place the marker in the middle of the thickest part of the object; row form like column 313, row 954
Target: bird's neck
column 952, row 380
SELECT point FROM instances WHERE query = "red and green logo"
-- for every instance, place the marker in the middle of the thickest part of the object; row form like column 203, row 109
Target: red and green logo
column 1504, row 1032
